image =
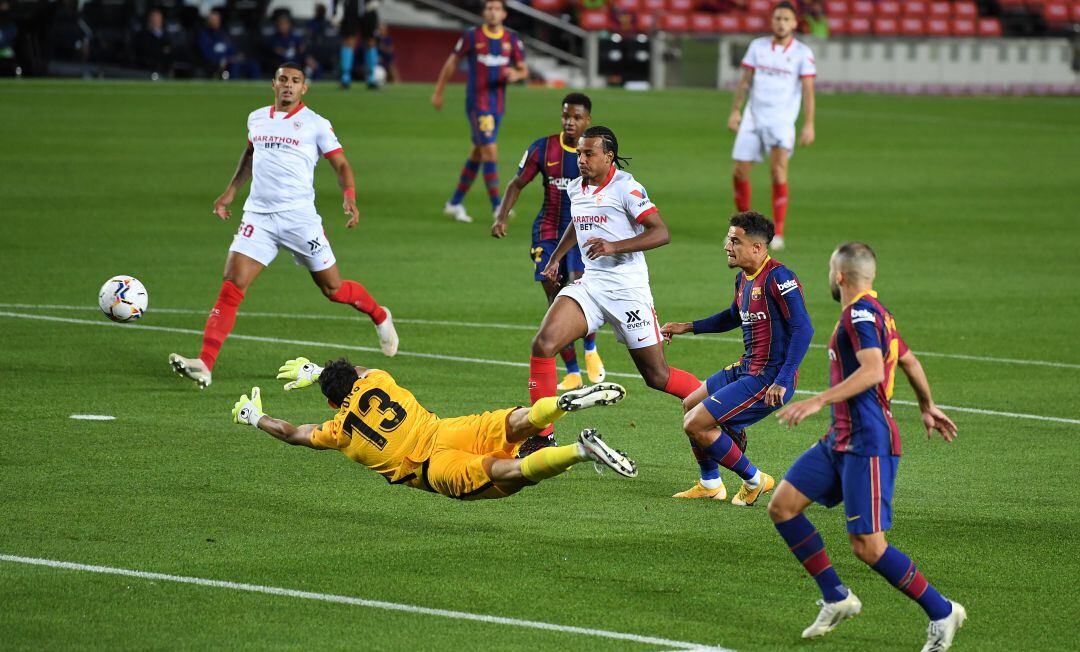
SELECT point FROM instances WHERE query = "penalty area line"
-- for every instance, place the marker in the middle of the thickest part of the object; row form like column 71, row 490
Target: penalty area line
column 363, row 602
column 452, row 358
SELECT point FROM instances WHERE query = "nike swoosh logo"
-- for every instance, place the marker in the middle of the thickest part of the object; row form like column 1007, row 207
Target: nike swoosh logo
column 642, row 339
column 553, row 163
column 717, row 400
column 854, row 518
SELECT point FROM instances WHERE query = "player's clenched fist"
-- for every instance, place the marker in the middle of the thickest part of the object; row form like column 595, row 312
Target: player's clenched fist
column 248, row 410
column 733, row 120
column 597, row 247
column 673, row 328
column 301, row 371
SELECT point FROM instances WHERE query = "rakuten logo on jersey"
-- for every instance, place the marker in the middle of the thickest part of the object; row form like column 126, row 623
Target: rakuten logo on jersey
column 493, row 60
column 861, row 315
column 752, row 317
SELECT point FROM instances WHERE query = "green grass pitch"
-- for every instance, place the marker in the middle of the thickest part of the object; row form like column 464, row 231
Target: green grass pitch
column 971, row 204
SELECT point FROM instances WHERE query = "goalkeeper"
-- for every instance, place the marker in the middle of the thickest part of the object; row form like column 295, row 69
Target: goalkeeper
column 382, row 426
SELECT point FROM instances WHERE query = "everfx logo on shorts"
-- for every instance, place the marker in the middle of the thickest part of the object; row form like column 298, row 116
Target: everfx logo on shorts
column 634, row 320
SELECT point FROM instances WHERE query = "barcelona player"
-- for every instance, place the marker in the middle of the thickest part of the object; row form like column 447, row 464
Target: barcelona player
column 776, row 329
column 495, row 58
column 554, row 158
column 381, row 425
column 855, row 463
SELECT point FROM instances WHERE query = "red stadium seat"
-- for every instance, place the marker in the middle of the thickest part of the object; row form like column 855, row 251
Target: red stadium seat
column 595, row 19
column 862, row 8
column 752, row 23
column 963, row 27
column 675, row 23
column 937, row 26
column 965, row 10
column 628, row 5
column 1056, row 12
column 702, row 22
column 858, row 26
column 653, row 6
column 1075, row 12
column 837, row 25
column 887, row 9
column 886, row 27
column 916, row 8
column 680, row 6
column 838, row 8
column 645, row 22
column 729, row 23
column 760, row 7
column 549, row 6
column 1012, row 6
column 911, row 26
column 940, row 9
column 989, row 27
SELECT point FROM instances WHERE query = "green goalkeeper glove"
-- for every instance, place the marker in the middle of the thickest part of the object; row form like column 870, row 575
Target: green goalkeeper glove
column 301, row 371
column 248, row 410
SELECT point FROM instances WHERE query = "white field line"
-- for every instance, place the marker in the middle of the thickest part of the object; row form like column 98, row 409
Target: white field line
column 452, row 358
column 526, row 327
column 361, row 602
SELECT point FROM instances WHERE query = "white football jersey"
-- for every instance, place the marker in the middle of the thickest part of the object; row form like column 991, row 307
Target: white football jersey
column 776, row 92
column 287, row 147
column 612, row 211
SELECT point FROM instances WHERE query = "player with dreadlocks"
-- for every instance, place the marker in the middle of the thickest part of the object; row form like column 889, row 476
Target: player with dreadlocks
column 614, row 222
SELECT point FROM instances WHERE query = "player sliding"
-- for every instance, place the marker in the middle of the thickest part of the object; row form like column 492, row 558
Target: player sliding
column 614, row 222
column 776, row 332
column 382, row 426
column 285, row 141
column 856, row 461
column 779, row 73
column 554, row 158
column 495, row 58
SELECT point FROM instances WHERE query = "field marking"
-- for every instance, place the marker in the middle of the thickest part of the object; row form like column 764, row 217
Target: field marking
column 92, row 417
column 459, row 358
column 526, row 327
column 363, row 602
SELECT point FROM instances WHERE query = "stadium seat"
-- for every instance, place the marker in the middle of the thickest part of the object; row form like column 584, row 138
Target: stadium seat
column 680, row 6
column 862, row 8
column 988, row 26
column 1056, row 12
column 912, row 26
column 858, row 26
column 729, row 23
column 653, row 6
column 915, row 8
column 1075, row 12
column 549, row 6
column 963, row 27
column 837, row 8
column 940, row 9
column 937, row 26
column 701, row 21
column 837, row 25
column 628, row 5
column 885, row 27
column 595, row 19
column 887, row 9
column 753, row 23
column 675, row 23
column 965, row 10
column 760, row 7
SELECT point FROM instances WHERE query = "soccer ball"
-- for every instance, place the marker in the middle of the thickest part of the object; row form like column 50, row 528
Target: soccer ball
column 122, row 298
column 379, row 76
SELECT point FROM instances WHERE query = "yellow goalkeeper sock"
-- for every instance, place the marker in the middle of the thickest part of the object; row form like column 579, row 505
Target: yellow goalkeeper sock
column 545, row 412
column 550, row 462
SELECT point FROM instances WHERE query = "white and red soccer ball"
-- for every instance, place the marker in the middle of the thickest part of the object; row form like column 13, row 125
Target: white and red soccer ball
column 123, row 298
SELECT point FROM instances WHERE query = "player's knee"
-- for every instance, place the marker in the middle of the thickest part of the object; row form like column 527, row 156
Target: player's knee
column 544, row 346
column 741, row 172
column 868, row 549
column 779, row 511
column 655, row 378
column 778, row 173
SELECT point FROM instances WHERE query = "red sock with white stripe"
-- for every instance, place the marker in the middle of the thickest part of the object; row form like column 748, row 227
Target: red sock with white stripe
column 681, row 383
column 779, row 206
column 543, row 381
column 220, row 322
column 901, row 572
column 742, row 193
column 357, row 296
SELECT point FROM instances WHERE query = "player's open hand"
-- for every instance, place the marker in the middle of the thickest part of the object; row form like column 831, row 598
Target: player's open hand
column 436, row 101
column 498, row 229
column 352, row 211
column 301, row 371
column 934, row 419
column 806, row 138
column 794, row 413
column 597, row 247
column 248, row 410
column 733, row 120
column 221, row 205
column 673, row 328
column 775, row 395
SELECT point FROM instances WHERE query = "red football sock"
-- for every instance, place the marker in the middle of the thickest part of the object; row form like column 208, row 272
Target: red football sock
column 220, row 322
column 742, row 193
column 356, row 296
column 681, row 383
column 543, row 381
column 779, row 205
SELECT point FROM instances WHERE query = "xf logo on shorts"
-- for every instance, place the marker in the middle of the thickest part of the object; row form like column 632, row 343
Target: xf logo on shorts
column 632, row 316
column 634, row 320
column 315, row 246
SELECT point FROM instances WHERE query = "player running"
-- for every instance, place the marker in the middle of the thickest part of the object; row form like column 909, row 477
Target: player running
column 779, row 72
column 554, row 158
column 776, row 332
column 855, row 463
column 613, row 222
column 382, row 426
column 285, row 141
column 495, row 58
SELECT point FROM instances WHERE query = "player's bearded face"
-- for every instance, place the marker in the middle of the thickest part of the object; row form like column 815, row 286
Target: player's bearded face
column 593, row 161
column 494, row 14
column 834, row 283
column 783, row 23
column 732, row 244
column 289, row 85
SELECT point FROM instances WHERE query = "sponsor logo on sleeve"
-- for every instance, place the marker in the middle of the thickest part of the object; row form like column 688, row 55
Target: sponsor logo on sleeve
column 859, row 315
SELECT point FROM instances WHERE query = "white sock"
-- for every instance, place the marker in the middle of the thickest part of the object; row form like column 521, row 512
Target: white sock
column 712, row 483
column 582, row 453
column 754, row 481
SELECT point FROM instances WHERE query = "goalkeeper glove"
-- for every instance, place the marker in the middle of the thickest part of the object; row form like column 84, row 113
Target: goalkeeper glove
column 301, row 371
column 249, row 410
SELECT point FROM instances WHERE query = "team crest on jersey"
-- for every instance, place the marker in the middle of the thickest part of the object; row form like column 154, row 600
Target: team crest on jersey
column 755, row 293
column 297, row 124
column 599, row 199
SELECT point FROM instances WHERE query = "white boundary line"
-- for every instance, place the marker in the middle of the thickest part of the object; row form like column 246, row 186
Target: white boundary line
column 452, row 358
column 526, row 327
column 362, row 602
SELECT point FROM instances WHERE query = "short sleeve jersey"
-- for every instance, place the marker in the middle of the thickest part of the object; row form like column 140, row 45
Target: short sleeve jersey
column 612, row 210
column 863, row 424
column 556, row 164
column 776, row 92
column 382, row 426
column 487, row 56
column 287, row 147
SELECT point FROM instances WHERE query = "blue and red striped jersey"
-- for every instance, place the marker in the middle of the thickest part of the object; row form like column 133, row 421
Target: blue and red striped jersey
column 488, row 55
column 863, row 424
column 557, row 166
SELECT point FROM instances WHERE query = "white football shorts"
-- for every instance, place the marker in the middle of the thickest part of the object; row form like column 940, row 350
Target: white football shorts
column 300, row 231
column 753, row 142
column 629, row 311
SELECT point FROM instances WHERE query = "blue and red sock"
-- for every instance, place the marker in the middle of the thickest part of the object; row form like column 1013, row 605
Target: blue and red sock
column 491, row 180
column 805, row 542
column 901, row 572
column 590, row 343
column 468, row 175
column 569, row 357
column 710, row 470
column 727, row 454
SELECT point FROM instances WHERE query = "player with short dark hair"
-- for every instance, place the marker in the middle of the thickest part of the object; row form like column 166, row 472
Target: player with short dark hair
column 554, row 158
column 381, row 425
column 855, row 463
column 776, row 329
column 778, row 72
column 284, row 143
column 495, row 58
column 613, row 222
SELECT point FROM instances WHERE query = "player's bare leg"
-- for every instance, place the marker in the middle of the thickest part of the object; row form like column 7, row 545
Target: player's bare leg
column 240, row 272
column 594, row 365
column 778, row 170
column 563, row 323
column 740, row 179
column 454, row 207
column 353, row 293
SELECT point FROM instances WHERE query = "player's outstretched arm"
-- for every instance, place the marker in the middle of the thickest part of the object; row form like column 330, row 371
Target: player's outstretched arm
column 871, row 372
column 240, row 177
column 809, row 106
column 347, row 183
column 932, row 416
column 248, row 410
column 444, row 76
column 655, row 235
column 510, row 197
column 735, row 117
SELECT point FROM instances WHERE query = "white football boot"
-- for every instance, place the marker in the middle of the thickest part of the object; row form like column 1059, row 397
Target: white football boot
column 940, row 633
column 192, row 368
column 591, row 396
column 832, row 613
column 456, row 211
column 388, row 338
column 605, row 455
